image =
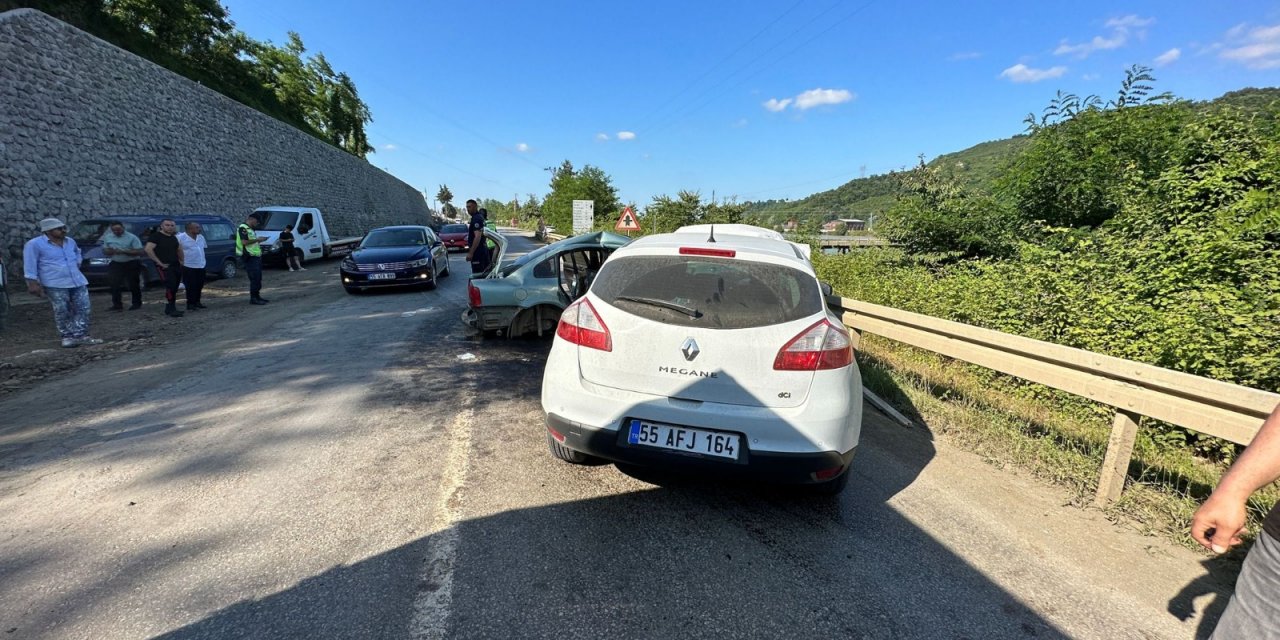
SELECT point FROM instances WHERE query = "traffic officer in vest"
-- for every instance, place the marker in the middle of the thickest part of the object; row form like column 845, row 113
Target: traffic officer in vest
column 249, row 250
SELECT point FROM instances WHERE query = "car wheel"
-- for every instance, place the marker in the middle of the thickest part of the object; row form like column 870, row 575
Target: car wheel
column 830, row 487
column 566, row 454
column 445, row 272
column 228, row 270
column 431, row 284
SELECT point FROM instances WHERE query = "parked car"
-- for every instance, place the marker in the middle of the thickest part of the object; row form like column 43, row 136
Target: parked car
column 528, row 294
column 711, row 350
column 311, row 237
column 399, row 256
column 454, row 236
column 220, row 257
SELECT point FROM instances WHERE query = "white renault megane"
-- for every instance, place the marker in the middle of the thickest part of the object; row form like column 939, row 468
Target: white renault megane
column 710, row 348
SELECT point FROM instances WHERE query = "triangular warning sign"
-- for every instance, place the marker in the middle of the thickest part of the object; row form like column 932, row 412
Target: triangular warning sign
column 627, row 221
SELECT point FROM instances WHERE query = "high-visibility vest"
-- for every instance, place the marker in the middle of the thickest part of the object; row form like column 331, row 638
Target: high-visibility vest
column 254, row 249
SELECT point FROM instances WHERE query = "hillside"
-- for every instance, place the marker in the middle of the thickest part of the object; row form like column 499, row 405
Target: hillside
column 976, row 167
column 863, row 198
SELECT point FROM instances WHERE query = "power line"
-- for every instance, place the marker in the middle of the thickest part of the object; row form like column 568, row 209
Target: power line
column 643, row 123
column 712, row 96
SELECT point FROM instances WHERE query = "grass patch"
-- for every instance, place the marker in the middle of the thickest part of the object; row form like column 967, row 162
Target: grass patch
column 1054, row 435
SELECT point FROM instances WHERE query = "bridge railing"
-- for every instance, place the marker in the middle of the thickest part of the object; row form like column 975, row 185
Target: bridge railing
column 1134, row 389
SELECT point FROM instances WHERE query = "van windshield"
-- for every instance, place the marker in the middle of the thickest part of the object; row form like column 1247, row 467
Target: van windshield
column 276, row 220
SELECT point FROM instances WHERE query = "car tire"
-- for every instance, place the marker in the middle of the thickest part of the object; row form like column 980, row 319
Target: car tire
column 445, row 272
column 566, row 454
column 431, row 284
column 228, row 270
column 830, row 488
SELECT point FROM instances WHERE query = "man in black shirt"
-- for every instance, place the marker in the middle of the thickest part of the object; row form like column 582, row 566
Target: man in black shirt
column 1254, row 610
column 477, row 246
column 163, row 249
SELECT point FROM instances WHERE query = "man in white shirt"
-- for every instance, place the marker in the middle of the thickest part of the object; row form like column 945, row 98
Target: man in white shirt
column 193, row 263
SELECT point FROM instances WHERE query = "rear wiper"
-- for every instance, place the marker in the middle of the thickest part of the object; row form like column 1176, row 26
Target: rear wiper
column 655, row 302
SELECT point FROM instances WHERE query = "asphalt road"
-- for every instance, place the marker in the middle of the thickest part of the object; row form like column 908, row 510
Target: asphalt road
column 367, row 467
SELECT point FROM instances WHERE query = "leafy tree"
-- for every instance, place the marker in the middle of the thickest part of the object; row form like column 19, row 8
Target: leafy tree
column 569, row 184
column 445, row 197
column 936, row 218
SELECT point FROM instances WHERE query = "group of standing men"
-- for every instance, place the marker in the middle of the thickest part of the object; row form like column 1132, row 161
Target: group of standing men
column 51, row 267
column 179, row 260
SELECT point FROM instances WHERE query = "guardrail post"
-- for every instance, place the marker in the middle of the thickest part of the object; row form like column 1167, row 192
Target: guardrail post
column 1115, row 465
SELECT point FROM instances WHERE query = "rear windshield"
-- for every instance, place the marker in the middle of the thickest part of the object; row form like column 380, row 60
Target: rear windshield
column 712, row 293
column 454, row 228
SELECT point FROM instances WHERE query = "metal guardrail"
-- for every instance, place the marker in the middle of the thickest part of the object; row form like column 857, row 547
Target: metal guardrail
column 1212, row 407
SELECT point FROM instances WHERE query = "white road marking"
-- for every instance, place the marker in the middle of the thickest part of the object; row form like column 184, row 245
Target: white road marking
column 434, row 601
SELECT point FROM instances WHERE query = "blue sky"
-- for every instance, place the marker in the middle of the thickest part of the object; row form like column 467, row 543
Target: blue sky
column 751, row 99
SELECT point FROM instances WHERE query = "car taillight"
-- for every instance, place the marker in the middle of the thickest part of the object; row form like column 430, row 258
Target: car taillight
column 581, row 325
column 473, row 295
column 822, row 346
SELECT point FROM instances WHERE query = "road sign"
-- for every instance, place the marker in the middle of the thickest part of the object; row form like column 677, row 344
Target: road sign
column 584, row 214
column 627, row 221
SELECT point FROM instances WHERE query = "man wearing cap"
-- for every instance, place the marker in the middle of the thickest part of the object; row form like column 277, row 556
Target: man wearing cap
column 51, row 265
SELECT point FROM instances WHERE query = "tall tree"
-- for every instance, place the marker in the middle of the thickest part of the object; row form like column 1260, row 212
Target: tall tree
column 569, row 184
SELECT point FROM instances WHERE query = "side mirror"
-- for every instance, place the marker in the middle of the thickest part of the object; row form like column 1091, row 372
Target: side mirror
column 827, row 291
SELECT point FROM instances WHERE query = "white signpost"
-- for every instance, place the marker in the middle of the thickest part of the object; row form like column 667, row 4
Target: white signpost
column 584, row 213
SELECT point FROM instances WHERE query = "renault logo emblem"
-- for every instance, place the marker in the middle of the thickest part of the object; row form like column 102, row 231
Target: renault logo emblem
column 689, row 349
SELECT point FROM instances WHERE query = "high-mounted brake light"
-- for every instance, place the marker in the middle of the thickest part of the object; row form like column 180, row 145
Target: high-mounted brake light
column 473, row 295
column 821, row 346
column 581, row 325
column 715, row 253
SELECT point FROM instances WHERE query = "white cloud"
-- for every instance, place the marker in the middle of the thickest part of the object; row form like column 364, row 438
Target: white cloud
column 1121, row 30
column 1168, row 57
column 810, row 99
column 626, row 135
column 1023, row 73
column 601, row 137
column 818, row 97
column 740, row 123
column 1130, row 22
column 523, row 148
column 775, row 105
column 389, row 147
column 1256, row 48
column 965, row 55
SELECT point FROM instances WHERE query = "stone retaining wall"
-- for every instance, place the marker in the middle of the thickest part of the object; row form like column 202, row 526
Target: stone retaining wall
column 90, row 130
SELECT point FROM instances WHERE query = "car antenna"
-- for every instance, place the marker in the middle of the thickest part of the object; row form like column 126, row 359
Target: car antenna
column 713, row 234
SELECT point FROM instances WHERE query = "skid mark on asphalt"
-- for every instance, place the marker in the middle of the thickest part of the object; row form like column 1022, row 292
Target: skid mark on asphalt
column 434, row 600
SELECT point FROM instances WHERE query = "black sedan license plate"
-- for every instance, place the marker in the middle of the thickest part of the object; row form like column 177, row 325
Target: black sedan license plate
column 685, row 439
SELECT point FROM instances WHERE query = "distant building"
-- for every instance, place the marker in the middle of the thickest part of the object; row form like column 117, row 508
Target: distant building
column 850, row 224
column 790, row 225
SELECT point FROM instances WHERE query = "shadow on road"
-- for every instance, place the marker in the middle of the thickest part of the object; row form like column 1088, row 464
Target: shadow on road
column 687, row 559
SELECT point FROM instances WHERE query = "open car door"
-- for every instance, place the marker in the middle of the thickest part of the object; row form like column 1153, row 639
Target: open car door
column 576, row 270
column 498, row 252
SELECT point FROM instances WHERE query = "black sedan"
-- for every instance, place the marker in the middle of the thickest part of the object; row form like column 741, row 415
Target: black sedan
column 396, row 257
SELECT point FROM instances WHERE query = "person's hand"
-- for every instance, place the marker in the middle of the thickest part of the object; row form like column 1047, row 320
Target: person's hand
column 34, row 288
column 1218, row 522
column 108, row 251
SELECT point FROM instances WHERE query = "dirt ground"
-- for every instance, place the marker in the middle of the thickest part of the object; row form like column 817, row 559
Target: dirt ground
column 30, row 352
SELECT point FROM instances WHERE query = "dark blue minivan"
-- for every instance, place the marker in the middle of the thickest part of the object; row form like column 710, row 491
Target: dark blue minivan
column 218, row 231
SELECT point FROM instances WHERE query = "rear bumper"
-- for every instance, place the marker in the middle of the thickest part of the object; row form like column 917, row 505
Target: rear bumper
column 610, row 444
column 489, row 318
